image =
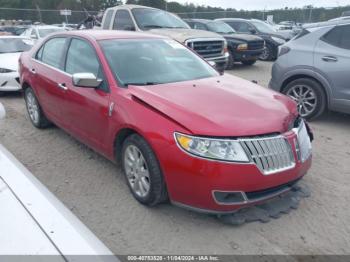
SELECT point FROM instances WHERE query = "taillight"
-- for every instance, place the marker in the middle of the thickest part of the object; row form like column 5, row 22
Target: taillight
column 284, row 50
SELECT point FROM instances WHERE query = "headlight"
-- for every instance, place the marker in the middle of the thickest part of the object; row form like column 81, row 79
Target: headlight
column 218, row 149
column 278, row 40
column 303, row 144
column 225, row 47
column 242, row 47
column 4, row 71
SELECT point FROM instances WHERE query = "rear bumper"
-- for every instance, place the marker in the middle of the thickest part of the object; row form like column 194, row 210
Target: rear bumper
column 9, row 82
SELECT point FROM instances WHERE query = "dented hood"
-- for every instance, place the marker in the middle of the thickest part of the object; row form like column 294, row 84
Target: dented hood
column 220, row 106
column 184, row 34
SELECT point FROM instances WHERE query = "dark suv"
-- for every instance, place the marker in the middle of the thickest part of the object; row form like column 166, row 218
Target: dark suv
column 242, row 47
column 272, row 38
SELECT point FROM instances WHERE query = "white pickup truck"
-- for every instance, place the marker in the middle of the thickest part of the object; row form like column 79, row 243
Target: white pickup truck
column 209, row 45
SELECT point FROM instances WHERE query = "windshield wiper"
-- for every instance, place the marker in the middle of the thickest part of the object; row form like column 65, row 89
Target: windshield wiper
column 153, row 26
column 142, row 84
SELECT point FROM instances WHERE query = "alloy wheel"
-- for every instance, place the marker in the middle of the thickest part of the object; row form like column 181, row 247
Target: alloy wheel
column 33, row 108
column 265, row 54
column 305, row 98
column 136, row 171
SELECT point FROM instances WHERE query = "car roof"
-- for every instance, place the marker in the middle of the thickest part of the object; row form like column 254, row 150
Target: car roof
column 130, row 7
column 327, row 23
column 198, row 20
column 232, row 19
column 109, row 34
column 12, row 36
column 45, row 27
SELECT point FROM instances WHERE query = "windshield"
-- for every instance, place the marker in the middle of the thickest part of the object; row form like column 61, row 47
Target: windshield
column 45, row 32
column 13, row 45
column 154, row 61
column 220, row 27
column 263, row 27
column 153, row 18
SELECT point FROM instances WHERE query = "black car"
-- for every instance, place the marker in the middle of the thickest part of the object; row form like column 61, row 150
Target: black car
column 272, row 38
column 242, row 48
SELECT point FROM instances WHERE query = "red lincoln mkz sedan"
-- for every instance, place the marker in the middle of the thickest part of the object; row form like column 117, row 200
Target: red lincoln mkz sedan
column 180, row 130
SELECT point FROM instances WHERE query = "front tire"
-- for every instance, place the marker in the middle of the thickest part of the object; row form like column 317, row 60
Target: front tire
column 231, row 61
column 309, row 95
column 142, row 171
column 36, row 114
column 267, row 55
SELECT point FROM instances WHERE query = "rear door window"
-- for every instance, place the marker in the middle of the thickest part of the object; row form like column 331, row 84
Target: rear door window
column 334, row 36
column 345, row 38
column 123, row 21
column 52, row 52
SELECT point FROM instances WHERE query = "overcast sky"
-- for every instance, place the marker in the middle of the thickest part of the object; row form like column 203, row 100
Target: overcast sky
column 268, row 4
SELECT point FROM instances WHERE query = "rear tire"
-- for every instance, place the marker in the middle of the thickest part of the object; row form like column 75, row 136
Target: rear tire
column 310, row 96
column 36, row 114
column 142, row 171
column 231, row 61
column 248, row 62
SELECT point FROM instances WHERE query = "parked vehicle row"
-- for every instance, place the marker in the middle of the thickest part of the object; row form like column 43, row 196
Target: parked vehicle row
column 106, row 87
column 242, row 47
column 272, row 38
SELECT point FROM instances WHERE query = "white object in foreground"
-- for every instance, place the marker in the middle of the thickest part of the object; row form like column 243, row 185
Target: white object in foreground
column 34, row 222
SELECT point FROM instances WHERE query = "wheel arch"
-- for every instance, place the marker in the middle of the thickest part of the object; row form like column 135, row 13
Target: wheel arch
column 300, row 76
column 119, row 139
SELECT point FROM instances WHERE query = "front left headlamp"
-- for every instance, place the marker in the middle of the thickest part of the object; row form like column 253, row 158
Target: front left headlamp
column 212, row 148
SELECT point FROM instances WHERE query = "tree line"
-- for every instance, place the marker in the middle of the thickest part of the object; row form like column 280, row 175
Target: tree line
column 303, row 15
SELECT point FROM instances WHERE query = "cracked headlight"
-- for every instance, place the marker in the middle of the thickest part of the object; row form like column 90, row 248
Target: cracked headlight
column 212, row 148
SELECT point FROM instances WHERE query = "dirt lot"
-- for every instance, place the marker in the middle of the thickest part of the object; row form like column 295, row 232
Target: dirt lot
column 94, row 189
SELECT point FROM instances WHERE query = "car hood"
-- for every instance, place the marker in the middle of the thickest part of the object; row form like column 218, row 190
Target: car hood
column 183, row 34
column 242, row 37
column 9, row 61
column 225, row 106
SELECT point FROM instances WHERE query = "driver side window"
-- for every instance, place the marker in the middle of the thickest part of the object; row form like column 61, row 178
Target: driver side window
column 82, row 58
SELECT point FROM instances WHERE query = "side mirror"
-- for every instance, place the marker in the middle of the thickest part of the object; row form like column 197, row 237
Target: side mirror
column 252, row 31
column 88, row 80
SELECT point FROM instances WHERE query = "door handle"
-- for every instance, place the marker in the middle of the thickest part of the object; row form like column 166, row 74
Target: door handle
column 62, row 86
column 33, row 71
column 329, row 59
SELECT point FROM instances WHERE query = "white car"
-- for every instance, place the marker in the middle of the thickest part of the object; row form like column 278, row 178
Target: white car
column 34, row 222
column 11, row 48
column 41, row 31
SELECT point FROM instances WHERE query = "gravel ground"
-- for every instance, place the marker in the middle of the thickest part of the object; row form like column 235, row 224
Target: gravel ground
column 94, row 189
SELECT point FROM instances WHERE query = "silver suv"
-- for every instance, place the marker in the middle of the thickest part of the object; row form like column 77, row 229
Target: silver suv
column 314, row 69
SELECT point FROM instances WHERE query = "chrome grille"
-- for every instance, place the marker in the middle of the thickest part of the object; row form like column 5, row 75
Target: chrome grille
column 207, row 48
column 270, row 154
